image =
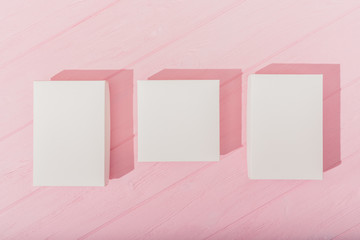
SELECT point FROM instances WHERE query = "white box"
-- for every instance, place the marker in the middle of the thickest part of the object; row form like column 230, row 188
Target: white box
column 71, row 133
column 284, row 126
column 178, row 120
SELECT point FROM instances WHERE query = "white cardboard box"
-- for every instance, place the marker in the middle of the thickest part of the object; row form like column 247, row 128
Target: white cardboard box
column 284, row 126
column 71, row 133
column 178, row 120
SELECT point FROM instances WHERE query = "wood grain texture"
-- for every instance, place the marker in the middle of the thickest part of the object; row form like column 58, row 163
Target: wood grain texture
column 39, row 39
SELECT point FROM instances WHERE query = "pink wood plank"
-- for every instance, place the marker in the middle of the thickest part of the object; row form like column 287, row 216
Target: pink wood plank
column 177, row 201
column 351, row 233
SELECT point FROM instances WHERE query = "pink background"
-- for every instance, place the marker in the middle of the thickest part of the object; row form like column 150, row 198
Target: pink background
column 226, row 39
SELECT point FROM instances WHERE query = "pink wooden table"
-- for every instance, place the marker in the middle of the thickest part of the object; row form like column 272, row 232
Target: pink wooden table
column 39, row 39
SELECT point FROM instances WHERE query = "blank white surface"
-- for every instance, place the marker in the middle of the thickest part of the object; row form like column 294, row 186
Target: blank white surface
column 178, row 120
column 71, row 133
column 284, row 126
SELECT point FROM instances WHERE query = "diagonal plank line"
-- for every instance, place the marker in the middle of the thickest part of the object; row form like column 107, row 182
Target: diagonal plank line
column 124, row 213
column 255, row 210
column 172, row 216
column 13, row 204
column 358, row 224
column 15, row 131
column 37, row 22
column 206, row 21
column 144, row 202
column 201, row 24
column 183, row 179
column 252, row 68
column 19, row 200
column 59, row 34
column 270, row 201
column 346, row 231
